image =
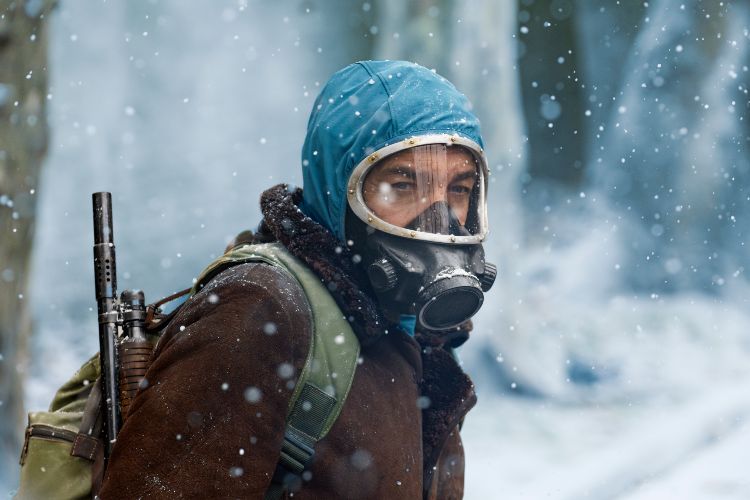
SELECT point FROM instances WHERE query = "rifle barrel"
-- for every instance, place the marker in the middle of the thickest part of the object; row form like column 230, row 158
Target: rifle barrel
column 105, row 276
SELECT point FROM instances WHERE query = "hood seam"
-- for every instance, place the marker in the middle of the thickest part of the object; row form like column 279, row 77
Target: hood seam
column 388, row 95
column 351, row 165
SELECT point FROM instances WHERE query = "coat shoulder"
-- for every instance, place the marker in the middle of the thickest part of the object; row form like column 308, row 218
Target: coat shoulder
column 220, row 381
column 262, row 302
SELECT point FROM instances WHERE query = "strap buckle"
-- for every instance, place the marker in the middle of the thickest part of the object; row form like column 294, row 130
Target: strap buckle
column 296, row 451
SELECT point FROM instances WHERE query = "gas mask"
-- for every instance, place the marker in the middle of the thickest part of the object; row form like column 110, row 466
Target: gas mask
column 417, row 218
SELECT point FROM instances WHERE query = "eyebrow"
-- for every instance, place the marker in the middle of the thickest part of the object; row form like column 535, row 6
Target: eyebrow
column 409, row 172
column 404, row 170
column 466, row 175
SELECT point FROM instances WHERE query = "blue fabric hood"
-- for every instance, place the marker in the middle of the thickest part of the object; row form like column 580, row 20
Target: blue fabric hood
column 363, row 108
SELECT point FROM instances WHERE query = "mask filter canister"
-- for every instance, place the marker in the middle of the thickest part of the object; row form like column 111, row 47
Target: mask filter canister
column 448, row 301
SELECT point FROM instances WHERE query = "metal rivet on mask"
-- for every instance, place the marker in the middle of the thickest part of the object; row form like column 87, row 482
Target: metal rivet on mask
column 453, row 238
column 413, row 234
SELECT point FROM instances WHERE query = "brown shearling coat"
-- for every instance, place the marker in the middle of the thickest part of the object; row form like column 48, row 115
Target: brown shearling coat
column 211, row 421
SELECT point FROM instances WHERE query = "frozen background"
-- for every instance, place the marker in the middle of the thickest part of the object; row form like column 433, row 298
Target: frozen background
column 612, row 359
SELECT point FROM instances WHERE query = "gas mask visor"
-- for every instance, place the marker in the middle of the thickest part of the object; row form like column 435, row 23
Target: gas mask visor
column 430, row 187
column 423, row 203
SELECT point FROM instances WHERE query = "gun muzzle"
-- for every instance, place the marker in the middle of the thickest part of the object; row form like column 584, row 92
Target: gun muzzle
column 105, row 276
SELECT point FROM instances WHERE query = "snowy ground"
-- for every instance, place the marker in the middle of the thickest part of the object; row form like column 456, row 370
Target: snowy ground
column 719, row 471
column 691, row 449
column 669, row 420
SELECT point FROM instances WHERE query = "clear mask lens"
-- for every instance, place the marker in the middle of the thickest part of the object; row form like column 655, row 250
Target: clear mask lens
column 431, row 188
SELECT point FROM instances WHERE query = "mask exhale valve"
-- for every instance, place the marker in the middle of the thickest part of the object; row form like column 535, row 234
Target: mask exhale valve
column 442, row 285
column 448, row 302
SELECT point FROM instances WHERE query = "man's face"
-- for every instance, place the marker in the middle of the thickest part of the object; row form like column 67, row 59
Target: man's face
column 403, row 186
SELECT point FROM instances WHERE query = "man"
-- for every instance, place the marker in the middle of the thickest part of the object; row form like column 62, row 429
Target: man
column 390, row 224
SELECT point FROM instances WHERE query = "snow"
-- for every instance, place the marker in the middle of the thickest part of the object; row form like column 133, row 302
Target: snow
column 533, row 449
column 717, row 471
column 612, row 357
column 589, row 393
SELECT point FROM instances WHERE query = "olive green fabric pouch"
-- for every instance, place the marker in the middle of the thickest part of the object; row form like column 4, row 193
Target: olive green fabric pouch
column 48, row 471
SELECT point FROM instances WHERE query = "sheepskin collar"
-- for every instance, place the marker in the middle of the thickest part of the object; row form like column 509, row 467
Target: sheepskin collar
column 443, row 382
column 328, row 258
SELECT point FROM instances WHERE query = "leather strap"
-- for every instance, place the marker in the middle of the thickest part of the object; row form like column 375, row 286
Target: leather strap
column 305, row 427
column 88, row 439
column 88, row 442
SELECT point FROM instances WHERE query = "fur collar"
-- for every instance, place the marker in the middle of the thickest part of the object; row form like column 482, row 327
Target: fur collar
column 449, row 389
column 451, row 395
column 326, row 256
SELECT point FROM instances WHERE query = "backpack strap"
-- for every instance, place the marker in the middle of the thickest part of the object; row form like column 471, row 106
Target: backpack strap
column 327, row 375
column 88, row 442
column 304, row 428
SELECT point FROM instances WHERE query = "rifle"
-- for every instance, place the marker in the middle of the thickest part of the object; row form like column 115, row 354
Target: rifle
column 124, row 350
column 105, row 281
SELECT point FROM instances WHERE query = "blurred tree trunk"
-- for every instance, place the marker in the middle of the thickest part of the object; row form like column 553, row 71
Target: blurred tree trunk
column 350, row 27
column 420, row 31
column 551, row 90
column 23, row 143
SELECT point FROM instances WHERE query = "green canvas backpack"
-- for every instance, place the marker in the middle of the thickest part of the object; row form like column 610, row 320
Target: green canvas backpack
column 59, row 455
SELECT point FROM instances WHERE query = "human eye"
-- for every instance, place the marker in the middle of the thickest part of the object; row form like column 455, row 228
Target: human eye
column 460, row 189
column 402, row 186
